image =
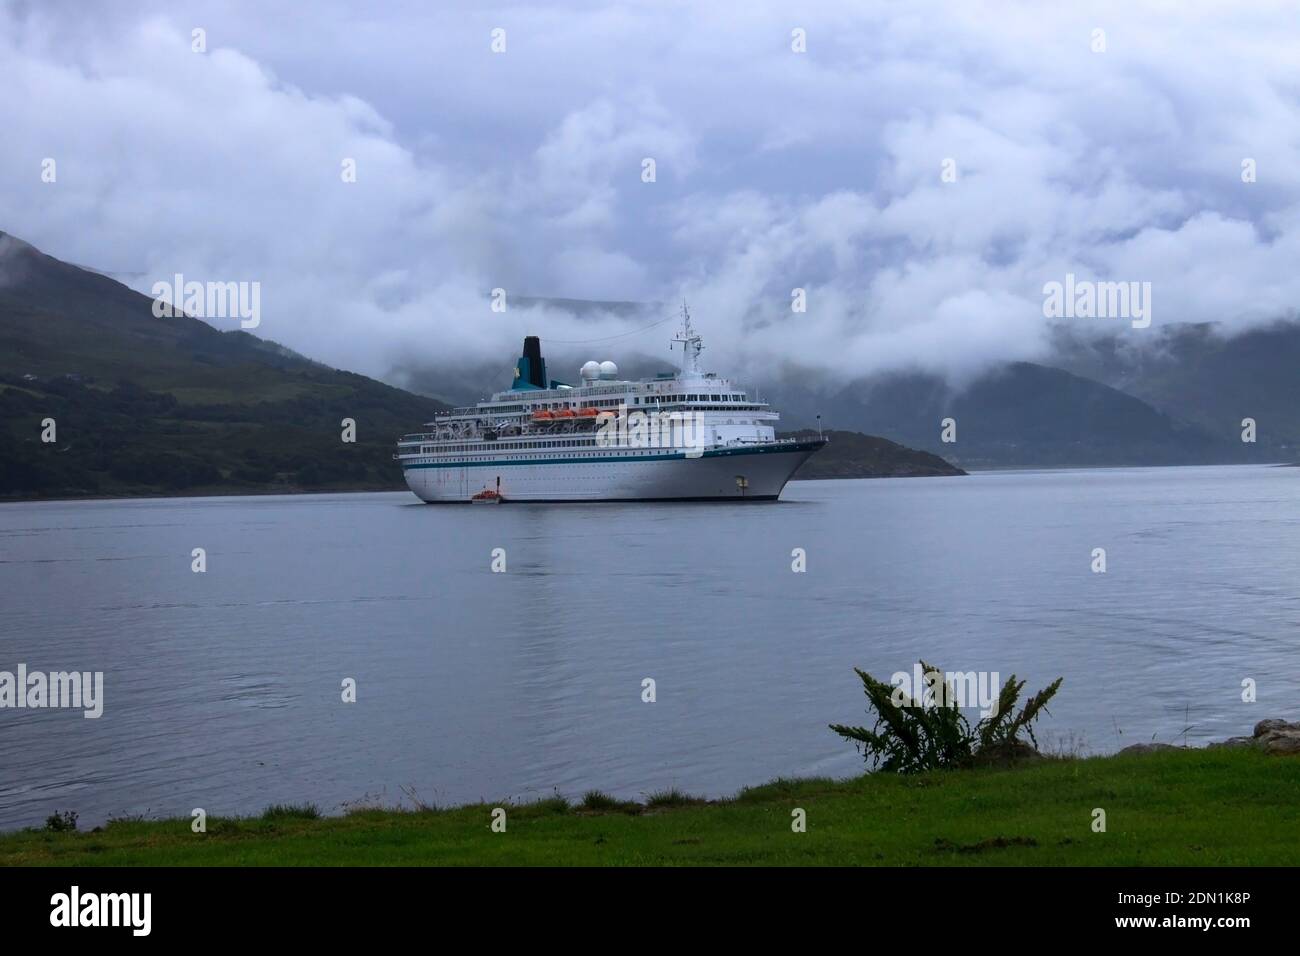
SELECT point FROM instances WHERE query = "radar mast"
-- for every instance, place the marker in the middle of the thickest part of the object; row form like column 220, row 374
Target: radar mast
column 692, row 346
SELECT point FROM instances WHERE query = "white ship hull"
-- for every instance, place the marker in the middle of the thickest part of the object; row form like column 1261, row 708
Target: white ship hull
column 755, row 473
column 693, row 436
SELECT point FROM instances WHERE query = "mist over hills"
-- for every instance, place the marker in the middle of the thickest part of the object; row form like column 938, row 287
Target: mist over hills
column 1198, row 373
column 1172, row 394
column 1175, row 397
column 144, row 405
column 148, row 405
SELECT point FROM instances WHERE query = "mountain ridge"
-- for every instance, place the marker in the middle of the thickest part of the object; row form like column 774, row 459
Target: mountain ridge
column 149, row 405
column 143, row 405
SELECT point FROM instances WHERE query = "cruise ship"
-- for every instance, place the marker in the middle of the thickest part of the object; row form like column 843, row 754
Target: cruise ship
column 684, row 436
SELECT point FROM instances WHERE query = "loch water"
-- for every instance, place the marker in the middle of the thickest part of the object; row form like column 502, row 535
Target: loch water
column 223, row 689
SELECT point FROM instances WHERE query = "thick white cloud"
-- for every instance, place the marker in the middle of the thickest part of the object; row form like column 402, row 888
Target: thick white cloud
column 775, row 169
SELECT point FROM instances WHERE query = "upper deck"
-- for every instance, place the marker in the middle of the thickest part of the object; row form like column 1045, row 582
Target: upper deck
column 708, row 394
column 693, row 405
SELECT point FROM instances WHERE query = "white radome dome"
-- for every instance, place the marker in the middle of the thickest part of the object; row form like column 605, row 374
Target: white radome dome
column 608, row 370
column 590, row 371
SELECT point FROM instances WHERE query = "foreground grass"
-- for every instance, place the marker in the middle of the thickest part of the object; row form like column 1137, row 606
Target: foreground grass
column 1199, row 807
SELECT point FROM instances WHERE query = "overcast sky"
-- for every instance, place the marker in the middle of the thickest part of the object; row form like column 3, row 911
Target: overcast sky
column 775, row 169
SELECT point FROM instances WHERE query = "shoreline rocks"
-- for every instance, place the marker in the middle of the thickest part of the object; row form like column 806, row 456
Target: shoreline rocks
column 1280, row 738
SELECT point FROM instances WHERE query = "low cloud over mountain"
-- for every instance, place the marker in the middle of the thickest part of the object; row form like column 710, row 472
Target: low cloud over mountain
column 920, row 171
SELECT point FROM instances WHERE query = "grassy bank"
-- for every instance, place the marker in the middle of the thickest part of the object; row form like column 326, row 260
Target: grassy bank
column 1198, row 807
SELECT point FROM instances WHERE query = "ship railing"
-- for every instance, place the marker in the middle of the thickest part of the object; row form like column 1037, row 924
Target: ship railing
column 764, row 441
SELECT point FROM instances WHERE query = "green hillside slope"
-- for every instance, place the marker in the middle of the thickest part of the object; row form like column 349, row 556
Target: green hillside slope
column 143, row 405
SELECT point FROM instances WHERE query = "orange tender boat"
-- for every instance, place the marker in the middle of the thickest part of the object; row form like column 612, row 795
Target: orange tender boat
column 489, row 496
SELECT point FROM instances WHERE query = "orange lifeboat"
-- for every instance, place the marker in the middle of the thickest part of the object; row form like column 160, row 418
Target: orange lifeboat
column 565, row 413
column 587, row 413
column 543, row 415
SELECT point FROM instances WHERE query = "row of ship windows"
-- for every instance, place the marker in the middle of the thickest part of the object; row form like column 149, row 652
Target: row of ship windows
column 509, row 445
column 616, row 454
column 615, row 402
column 661, row 399
column 701, row 398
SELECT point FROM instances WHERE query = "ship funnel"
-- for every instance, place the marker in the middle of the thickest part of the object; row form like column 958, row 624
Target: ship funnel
column 531, row 372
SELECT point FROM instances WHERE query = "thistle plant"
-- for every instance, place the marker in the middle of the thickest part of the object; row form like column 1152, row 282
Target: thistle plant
column 914, row 734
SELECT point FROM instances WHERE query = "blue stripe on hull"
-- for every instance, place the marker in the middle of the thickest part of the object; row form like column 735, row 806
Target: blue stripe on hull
column 671, row 456
column 735, row 499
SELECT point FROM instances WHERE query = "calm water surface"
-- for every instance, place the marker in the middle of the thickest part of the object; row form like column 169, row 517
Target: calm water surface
column 222, row 689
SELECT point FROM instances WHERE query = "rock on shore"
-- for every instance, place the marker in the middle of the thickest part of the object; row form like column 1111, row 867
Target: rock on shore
column 1273, row 736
